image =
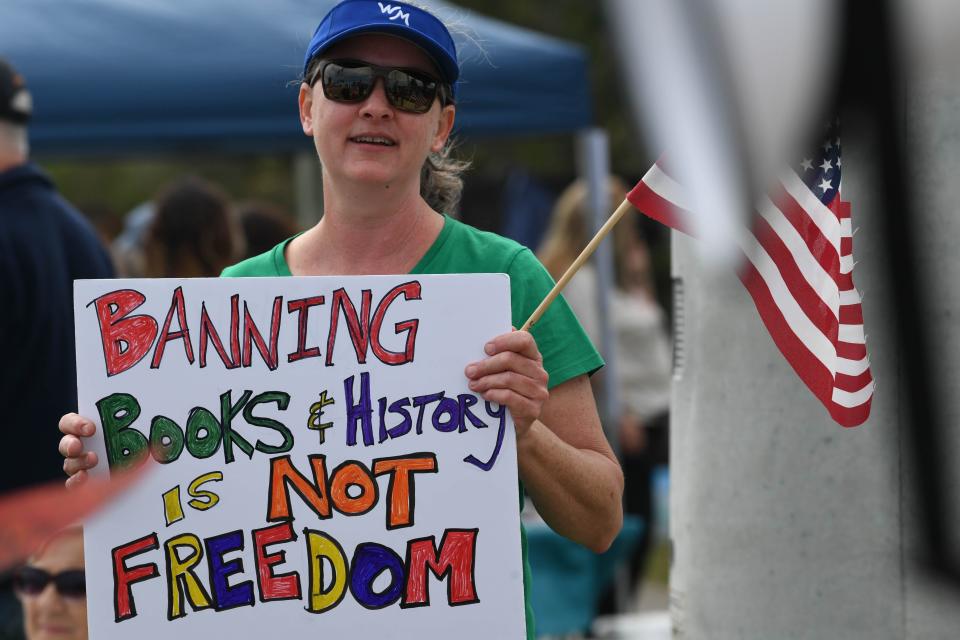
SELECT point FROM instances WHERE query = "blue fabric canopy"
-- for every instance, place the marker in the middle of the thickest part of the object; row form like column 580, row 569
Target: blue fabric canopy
column 111, row 76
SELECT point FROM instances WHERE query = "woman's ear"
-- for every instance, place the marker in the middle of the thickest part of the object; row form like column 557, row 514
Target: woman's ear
column 306, row 106
column 444, row 127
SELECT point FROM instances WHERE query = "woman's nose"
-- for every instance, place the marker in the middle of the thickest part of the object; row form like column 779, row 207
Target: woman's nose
column 50, row 598
column 376, row 105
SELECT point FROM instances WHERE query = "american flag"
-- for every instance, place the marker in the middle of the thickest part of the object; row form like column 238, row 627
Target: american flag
column 798, row 268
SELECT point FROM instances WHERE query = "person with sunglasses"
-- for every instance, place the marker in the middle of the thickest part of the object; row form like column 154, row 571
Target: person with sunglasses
column 52, row 589
column 378, row 98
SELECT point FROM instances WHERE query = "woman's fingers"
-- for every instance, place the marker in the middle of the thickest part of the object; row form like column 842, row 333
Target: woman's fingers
column 76, row 425
column 507, row 361
column 76, row 460
column 70, row 446
column 520, row 342
column 523, row 385
column 76, row 480
column 512, row 375
column 75, row 465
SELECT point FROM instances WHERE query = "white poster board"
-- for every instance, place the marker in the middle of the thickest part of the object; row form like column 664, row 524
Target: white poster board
column 326, row 472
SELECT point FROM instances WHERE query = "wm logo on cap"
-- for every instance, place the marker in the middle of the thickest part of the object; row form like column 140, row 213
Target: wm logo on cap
column 395, row 13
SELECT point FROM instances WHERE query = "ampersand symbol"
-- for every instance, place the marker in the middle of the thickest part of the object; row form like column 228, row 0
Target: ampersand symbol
column 316, row 411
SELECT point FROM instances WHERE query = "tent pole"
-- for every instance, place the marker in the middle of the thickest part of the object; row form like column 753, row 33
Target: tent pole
column 593, row 167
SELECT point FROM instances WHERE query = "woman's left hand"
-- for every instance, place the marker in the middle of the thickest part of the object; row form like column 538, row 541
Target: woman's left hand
column 512, row 375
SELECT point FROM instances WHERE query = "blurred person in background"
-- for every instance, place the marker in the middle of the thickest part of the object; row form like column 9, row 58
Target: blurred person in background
column 45, row 244
column 264, row 226
column 192, row 234
column 127, row 247
column 51, row 586
column 640, row 339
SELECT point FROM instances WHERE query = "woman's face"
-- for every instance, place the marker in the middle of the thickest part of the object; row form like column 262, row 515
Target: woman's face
column 337, row 128
column 49, row 615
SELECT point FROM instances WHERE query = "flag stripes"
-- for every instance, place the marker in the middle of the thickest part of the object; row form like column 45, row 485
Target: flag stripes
column 798, row 270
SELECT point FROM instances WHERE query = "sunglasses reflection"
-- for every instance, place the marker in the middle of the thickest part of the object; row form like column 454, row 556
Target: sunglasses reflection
column 51, row 588
column 406, row 89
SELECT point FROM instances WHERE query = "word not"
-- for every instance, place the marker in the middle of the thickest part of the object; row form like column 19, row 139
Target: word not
column 202, row 437
column 127, row 339
column 335, row 491
column 448, row 414
column 200, row 499
column 329, row 574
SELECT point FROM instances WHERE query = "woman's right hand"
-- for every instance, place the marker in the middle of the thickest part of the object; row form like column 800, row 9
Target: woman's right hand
column 76, row 460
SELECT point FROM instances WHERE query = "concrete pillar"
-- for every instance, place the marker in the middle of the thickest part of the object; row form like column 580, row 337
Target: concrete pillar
column 784, row 524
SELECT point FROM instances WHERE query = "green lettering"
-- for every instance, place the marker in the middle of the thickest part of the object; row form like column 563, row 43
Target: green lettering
column 203, row 433
column 283, row 400
column 229, row 411
column 126, row 446
column 161, row 428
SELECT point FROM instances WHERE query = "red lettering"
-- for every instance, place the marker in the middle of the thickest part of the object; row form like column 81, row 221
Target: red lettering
column 252, row 335
column 284, row 586
column 125, row 340
column 124, row 577
column 176, row 305
column 302, row 307
column 209, row 331
column 454, row 561
column 357, row 327
column 410, row 291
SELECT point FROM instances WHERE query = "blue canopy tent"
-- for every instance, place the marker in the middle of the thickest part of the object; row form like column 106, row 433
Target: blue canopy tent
column 120, row 76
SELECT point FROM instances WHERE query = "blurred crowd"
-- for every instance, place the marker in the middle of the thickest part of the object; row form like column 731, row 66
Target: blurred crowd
column 190, row 228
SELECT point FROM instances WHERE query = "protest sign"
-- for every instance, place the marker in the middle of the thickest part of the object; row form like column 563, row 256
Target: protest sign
column 320, row 465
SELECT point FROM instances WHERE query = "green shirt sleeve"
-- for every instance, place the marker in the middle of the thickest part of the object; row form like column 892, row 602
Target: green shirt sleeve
column 566, row 349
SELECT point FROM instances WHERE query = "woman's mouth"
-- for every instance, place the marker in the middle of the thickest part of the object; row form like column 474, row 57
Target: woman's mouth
column 382, row 141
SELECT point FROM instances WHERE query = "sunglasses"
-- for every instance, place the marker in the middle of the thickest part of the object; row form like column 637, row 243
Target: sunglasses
column 352, row 81
column 30, row 581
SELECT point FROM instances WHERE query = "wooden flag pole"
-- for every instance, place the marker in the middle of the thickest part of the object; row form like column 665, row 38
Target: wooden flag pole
column 579, row 262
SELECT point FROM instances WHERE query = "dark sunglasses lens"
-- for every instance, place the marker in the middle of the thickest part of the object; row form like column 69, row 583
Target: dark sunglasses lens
column 30, row 581
column 71, row 584
column 409, row 92
column 347, row 84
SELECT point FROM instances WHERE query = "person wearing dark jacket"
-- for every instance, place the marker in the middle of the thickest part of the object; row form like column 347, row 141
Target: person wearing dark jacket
column 45, row 244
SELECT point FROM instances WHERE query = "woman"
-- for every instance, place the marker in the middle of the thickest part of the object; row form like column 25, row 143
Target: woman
column 378, row 100
column 641, row 341
column 52, row 589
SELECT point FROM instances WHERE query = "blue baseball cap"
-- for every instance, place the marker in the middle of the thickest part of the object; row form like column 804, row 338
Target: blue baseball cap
column 354, row 17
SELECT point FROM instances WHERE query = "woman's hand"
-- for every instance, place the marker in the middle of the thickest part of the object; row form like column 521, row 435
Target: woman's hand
column 512, row 375
column 76, row 459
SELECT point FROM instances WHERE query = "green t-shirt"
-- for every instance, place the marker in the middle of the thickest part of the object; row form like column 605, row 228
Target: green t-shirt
column 460, row 248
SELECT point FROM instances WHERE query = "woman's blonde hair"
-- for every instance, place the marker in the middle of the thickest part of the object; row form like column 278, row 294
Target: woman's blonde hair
column 570, row 231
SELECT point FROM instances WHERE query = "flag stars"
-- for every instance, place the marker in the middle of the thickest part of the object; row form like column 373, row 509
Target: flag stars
column 827, row 146
column 827, row 165
column 807, row 164
column 825, row 185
